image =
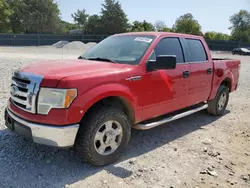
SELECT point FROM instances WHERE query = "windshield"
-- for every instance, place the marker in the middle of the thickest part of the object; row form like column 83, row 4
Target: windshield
column 124, row 49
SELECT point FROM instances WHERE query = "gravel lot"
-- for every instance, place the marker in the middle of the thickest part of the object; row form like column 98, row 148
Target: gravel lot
column 196, row 151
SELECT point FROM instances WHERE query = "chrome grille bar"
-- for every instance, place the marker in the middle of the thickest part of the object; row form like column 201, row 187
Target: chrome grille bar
column 21, row 93
column 19, row 84
column 24, row 89
column 20, row 101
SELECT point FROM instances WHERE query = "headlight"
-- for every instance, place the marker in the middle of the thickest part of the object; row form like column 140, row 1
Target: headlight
column 54, row 98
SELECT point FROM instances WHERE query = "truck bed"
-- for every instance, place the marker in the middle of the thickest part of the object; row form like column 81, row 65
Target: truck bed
column 228, row 69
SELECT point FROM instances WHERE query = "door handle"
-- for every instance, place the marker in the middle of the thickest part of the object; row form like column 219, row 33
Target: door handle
column 186, row 74
column 209, row 71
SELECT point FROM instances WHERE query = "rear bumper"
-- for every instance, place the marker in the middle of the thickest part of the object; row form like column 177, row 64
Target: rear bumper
column 59, row 136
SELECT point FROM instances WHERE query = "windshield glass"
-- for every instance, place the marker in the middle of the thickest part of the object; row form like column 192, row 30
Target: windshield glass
column 124, row 49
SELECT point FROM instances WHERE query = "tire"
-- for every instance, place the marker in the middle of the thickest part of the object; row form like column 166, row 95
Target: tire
column 97, row 121
column 214, row 106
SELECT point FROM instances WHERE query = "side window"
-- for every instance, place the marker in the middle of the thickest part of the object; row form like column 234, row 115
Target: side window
column 196, row 50
column 170, row 46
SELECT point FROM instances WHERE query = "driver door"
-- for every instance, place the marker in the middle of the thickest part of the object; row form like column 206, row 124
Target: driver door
column 166, row 90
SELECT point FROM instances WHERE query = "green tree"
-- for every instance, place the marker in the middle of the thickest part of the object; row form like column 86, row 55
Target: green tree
column 240, row 20
column 138, row 26
column 17, row 16
column 5, row 13
column 113, row 18
column 241, row 26
column 167, row 29
column 94, row 25
column 160, row 25
column 187, row 24
column 67, row 27
column 216, row 36
column 241, row 35
column 80, row 17
column 35, row 16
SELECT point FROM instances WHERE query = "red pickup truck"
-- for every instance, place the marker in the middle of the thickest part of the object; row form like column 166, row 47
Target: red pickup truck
column 131, row 80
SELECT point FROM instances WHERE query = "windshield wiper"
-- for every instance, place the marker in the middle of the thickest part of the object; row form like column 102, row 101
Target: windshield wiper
column 81, row 57
column 102, row 59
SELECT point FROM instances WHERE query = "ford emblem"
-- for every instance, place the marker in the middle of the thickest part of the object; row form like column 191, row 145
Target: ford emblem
column 13, row 90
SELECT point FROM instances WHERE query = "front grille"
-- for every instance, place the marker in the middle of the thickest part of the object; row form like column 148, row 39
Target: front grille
column 24, row 89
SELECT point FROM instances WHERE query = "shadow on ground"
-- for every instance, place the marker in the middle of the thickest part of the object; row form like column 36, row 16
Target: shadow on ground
column 25, row 164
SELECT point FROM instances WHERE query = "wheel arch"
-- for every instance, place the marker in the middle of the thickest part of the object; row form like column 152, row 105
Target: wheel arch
column 227, row 82
column 113, row 94
column 118, row 102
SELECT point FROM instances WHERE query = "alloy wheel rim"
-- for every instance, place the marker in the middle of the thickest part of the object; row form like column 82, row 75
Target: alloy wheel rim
column 222, row 101
column 108, row 137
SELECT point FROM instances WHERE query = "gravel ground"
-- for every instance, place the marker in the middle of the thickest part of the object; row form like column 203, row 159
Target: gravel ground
column 196, row 151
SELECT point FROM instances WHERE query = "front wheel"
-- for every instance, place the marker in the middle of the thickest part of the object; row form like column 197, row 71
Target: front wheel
column 218, row 105
column 103, row 136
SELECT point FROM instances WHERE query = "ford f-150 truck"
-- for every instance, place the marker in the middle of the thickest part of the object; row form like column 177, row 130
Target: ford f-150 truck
column 130, row 80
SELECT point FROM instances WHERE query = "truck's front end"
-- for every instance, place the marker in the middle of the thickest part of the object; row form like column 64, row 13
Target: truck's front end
column 89, row 102
column 40, row 113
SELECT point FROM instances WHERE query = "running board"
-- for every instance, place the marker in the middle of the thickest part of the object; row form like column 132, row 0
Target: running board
column 169, row 119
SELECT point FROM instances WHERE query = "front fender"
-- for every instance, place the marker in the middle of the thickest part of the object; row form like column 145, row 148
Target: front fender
column 85, row 100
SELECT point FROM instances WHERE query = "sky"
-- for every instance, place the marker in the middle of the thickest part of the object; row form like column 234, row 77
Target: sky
column 213, row 15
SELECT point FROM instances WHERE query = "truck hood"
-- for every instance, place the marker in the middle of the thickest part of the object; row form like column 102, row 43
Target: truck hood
column 54, row 71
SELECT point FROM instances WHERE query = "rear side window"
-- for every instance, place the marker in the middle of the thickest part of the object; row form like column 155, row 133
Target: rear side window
column 196, row 50
column 170, row 46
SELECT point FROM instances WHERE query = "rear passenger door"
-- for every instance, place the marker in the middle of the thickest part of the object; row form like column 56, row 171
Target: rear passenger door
column 200, row 71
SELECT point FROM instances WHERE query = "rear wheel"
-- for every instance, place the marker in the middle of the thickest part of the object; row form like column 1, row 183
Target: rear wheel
column 218, row 105
column 103, row 136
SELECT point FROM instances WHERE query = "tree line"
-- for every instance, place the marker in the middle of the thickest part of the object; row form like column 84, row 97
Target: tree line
column 43, row 16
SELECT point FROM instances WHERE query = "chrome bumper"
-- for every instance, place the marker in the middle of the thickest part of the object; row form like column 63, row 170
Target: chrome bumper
column 59, row 136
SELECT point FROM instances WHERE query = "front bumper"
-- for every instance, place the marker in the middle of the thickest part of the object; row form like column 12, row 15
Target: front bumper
column 59, row 136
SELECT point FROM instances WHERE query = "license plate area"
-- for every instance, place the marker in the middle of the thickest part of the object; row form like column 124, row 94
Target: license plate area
column 17, row 127
column 9, row 122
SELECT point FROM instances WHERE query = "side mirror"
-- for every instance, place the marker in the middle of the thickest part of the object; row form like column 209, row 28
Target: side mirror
column 162, row 62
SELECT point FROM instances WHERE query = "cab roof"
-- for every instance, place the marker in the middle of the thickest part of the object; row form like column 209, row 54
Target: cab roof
column 160, row 34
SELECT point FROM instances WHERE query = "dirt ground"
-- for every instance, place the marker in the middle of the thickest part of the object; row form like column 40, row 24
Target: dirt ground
column 197, row 151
